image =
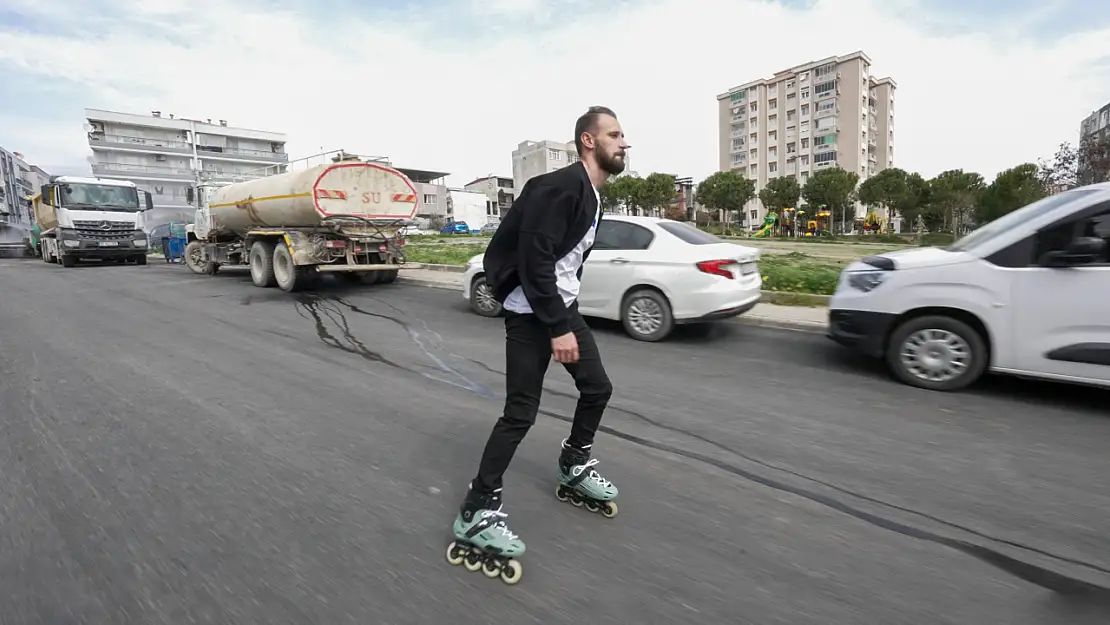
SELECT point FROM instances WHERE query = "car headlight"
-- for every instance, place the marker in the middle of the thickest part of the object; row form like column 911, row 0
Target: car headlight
column 866, row 280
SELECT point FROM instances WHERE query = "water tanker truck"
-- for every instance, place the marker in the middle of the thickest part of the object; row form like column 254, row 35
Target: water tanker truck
column 341, row 217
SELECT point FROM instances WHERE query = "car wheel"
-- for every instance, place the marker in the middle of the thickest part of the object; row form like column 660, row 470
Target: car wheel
column 482, row 300
column 647, row 316
column 937, row 353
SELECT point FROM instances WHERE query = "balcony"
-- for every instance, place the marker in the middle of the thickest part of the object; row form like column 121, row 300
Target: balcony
column 127, row 170
column 265, row 156
column 166, row 146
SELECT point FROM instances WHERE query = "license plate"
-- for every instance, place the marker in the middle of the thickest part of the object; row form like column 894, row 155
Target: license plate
column 748, row 269
column 109, row 244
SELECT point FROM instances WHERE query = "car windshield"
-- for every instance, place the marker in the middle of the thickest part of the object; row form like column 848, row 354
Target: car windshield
column 1004, row 223
column 100, row 197
column 688, row 233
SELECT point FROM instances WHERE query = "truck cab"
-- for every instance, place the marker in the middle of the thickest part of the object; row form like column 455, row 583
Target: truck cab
column 91, row 218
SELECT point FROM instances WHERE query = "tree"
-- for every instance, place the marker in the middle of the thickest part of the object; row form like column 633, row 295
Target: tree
column 1093, row 159
column 887, row 189
column 955, row 194
column 726, row 191
column 1010, row 190
column 626, row 191
column 779, row 193
column 658, row 192
column 834, row 188
column 1061, row 173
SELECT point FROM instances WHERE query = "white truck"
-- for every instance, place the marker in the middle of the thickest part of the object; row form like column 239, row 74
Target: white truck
column 343, row 217
column 91, row 218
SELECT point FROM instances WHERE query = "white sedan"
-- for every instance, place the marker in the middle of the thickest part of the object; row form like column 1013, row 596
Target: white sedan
column 651, row 274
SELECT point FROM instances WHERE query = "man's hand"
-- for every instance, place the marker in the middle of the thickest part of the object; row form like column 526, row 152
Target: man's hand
column 565, row 348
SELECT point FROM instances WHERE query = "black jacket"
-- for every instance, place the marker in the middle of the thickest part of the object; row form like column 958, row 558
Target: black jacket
column 548, row 219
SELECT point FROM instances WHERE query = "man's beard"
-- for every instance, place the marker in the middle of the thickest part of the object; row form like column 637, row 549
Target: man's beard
column 612, row 165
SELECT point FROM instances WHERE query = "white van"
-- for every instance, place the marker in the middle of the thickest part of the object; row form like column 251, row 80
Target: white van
column 1027, row 294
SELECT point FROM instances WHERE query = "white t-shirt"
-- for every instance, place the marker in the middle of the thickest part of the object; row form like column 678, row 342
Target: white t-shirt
column 566, row 271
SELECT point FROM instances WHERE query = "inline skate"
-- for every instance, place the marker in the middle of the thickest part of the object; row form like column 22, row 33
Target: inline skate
column 483, row 541
column 582, row 485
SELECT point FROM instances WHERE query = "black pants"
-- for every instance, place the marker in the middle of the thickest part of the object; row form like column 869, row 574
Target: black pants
column 527, row 356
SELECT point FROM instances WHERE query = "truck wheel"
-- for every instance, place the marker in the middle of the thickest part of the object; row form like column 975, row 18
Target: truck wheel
column 262, row 264
column 387, row 276
column 140, row 260
column 194, row 257
column 937, row 353
column 289, row 277
column 69, row 260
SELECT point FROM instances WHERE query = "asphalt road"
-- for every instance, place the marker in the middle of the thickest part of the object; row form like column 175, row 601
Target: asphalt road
column 192, row 449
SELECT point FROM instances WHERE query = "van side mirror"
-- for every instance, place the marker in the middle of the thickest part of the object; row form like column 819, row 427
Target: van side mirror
column 1081, row 251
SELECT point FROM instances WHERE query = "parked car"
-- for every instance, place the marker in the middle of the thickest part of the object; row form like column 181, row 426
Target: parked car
column 455, row 227
column 651, row 274
column 490, row 227
column 1025, row 294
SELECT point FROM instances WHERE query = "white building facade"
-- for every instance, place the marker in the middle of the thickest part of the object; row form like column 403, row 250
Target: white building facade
column 164, row 154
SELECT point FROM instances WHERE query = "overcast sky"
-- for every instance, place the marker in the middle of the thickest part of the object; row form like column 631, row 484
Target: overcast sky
column 454, row 85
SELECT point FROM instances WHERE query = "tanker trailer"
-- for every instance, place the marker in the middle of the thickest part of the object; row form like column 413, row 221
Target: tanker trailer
column 342, row 217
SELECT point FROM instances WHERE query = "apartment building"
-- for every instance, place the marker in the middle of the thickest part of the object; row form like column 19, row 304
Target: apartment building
column 499, row 192
column 1097, row 126
column 164, row 154
column 826, row 113
column 16, row 185
column 534, row 158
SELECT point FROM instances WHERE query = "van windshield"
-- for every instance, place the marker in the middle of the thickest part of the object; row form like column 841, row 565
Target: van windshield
column 1005, row 222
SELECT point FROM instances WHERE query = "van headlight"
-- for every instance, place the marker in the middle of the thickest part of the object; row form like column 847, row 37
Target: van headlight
column 866, row 280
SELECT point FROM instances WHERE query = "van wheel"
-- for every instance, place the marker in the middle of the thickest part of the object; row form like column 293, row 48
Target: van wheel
column 937, row 353
column 647, row 316
column 262, row 264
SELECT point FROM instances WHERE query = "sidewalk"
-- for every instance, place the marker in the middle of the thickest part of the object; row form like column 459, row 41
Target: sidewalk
column 804, row 318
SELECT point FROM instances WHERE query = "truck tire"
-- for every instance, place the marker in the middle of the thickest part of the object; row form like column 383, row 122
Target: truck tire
column 262, row 264
column 937, row 352
column 289, row 277
column 194, row 257
column 387, row 276
column 140, row 260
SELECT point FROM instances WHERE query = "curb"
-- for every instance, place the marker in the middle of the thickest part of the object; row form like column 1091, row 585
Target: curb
column 751, row 320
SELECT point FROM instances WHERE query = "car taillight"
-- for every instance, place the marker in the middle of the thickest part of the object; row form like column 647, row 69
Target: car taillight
column 717, row 268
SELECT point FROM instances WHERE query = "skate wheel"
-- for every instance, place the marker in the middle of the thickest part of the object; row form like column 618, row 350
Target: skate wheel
column 473, row 561
column 455, row 554
column 609, row 509
column 576, row 500
column 511, row 572
column 559, row 493
column 592, row 507
column 491, row 568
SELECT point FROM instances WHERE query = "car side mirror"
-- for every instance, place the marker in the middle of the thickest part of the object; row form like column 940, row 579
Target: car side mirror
column 1081, row 251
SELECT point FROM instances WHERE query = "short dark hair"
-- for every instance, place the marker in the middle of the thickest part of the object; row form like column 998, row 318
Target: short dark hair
column 588, row 123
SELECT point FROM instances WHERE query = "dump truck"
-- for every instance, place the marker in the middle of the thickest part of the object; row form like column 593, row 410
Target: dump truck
column 91, row 218
column 343, row 217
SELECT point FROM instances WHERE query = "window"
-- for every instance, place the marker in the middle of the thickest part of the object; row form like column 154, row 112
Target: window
column 772, row 152
column 772, row 104
column 791, row 114
column 772, row 168
column 824, row 157
column 790, row 84
column 620, row 235
column 824, row 87
column 791, row 97
column 791, row 148
column 805, row 109
column 1021, row 215
column 430, row 198
column 805, row 143
column 754, row 106
column 688, row 233
column 805, row 92
column 773, row 135
column 1057, row 238
column 555, row 155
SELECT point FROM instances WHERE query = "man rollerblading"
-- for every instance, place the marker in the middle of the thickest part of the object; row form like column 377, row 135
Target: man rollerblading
column 534, row 265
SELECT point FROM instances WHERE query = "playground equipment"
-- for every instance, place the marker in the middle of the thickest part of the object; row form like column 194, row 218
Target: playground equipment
column 768, row 229
column 786, row 222
column 819, row 226
column 872, row 224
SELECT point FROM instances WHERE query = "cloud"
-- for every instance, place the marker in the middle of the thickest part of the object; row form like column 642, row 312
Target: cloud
column 456, row 85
